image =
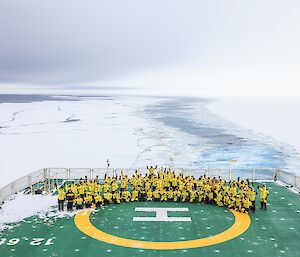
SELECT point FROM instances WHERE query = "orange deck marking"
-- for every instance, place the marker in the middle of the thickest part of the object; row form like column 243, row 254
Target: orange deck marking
column 241, row 224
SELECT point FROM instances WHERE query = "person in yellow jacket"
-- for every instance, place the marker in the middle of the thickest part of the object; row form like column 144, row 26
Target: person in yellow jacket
column 98, row 200
column 88, row 199
column 200, row 195
column 147, row 185
column 134, row 195
column 210, row 196
column 126, row 195
column 160, row 184
column 151, row 169
column 226, row 200
column 133, row 182
column 156, row 195
column 91, row 187
column 252, row 197
column 163, row 195
column 264, row 192
column 74, row 188
column 106, row 187
column 81, row 189
column 98, row 188
column 174, row 182
column 61, row 197
column 124, row 183
column 78, row 203
column 200, row 182
column 180, row 185
column 190, row 186
column 219, row 199
column 149, row 195
column 114, row 186
column 67, row 187
column 86, row 186
column 108, row 197
column 117, row 197
column 231, row 201
column 184, row 196
column 170, row 194
column 246, row 204
column 193, row 195
column 238, row 204
column 176, row 194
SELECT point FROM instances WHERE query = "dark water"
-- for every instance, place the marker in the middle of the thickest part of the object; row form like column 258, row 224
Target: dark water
column 16, row 98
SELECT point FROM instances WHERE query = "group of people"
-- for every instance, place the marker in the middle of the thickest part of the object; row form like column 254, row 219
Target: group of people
column 162, row 184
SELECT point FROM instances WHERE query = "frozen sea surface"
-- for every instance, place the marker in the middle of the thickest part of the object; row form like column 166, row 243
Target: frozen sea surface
column 83, row 131
column 222, row 143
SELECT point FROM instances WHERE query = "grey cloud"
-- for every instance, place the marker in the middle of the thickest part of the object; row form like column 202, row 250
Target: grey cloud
column 57, row 42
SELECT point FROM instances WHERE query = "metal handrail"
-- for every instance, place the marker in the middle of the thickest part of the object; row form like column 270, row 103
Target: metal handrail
column 47, row 174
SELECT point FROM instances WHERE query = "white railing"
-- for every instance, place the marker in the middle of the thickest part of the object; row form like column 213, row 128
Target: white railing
column 47, row 174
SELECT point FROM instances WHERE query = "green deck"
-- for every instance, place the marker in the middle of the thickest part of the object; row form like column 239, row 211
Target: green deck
column 275, row 232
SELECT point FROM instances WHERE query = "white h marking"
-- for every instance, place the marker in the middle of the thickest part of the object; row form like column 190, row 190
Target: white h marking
column 162, row 214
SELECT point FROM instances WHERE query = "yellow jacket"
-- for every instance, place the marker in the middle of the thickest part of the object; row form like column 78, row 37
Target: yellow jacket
column 78, row 201
column 61, row 194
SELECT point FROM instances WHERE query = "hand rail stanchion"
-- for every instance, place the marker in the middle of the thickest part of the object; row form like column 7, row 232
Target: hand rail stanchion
column 30, row 183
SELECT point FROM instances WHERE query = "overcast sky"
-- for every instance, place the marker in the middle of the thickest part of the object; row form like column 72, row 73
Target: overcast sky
column 190, row 47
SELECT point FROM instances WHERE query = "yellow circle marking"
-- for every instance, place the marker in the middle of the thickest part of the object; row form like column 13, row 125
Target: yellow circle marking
column 241, row 224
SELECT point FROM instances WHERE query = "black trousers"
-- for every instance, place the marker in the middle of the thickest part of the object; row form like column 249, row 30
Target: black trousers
column 263, row 205
column 253, row 206
column 79, row 207
column 61, row 205
column 70, row 206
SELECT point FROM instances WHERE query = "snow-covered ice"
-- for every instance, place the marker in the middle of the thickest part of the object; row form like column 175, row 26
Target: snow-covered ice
column 22, row 206
column 276, row 117
column 73, row 131
column 67, row 134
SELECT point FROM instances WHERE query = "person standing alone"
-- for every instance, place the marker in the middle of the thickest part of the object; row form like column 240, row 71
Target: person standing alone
column 61, row 199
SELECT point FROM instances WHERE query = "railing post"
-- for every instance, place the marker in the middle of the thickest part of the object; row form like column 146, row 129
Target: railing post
column 45, row 173
column 48, row 174
column 68, row 172
column 91, row 173
column 253, row 175
column 278, row 173
column 230, row 174
column 12, row 186
column 29, row 184
column 29, row 181
column 1, row 198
